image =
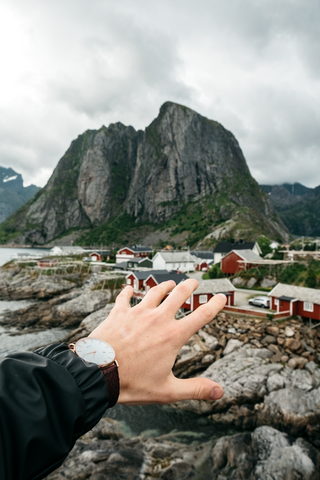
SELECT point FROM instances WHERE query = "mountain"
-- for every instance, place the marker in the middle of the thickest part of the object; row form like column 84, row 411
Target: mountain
column 12, row 192
column 298, row 207
column 181, row 179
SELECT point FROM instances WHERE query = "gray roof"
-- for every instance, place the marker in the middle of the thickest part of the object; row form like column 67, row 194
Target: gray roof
column 217, row 285
column 163, row 277
column 204, row 255
column 178, row 257
column 225, row 247
column 247, row 255
column 147, row 273
column 303, row 294
column 140, row 248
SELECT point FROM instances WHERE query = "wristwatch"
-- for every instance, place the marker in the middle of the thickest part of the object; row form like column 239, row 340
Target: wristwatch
column 102, row 354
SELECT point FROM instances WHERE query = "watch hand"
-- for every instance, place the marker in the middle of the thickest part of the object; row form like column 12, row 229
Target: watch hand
column 90, row 353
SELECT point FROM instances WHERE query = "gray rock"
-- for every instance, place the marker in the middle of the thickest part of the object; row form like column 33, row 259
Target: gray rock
column 310, row 367
column 268, row 339
column 238, row 282
column 268, row 282
column 90, row 323
column 264, row 454
column 288, row 332
column 181, row 156
column 262, row 353
column 289, row 402
column 251, row 282
column 22, row 287
column 75, row 310
column 233, row 344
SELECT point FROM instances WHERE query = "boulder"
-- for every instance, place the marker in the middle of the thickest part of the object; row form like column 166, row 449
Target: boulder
column 24, row 286
column 291, row 403
column 264, row 454
column 74, row 311
column 233, row 344
column 90, row 323
column 288, row 332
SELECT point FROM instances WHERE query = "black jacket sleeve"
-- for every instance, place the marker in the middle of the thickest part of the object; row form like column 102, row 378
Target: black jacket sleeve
column 48, row 399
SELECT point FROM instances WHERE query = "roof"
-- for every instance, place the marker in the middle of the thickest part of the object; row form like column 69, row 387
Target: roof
column 133, row 260
column 48, row 260
column 177, row 257
column 247, row 255
column 225, row 247
column 137, row 248
column 217, row 285
column 204, row 255
column 303, row 294
column 286, row 299
column 163, row 277
column 146, row 274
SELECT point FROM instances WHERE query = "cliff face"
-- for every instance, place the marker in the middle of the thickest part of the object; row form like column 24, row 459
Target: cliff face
column 297, row 206
column 150, row 175
column 12, row 192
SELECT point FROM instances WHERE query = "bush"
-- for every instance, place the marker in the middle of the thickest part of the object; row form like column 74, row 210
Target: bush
column 311, row 279
column 215, row 272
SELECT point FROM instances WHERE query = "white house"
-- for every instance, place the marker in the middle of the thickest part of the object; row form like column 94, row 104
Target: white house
column 183, row 261
column 67, row 251
column 223, row 248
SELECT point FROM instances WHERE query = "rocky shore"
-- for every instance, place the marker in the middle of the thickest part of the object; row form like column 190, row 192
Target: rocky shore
column 270, row 411
column 265, row 453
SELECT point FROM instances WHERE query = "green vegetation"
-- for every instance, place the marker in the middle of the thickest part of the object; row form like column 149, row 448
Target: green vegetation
column 298, row 274
column 110, row 232
column 264, row 244
column 215, row 272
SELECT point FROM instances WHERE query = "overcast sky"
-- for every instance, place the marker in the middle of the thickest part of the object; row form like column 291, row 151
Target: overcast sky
column 70, row 65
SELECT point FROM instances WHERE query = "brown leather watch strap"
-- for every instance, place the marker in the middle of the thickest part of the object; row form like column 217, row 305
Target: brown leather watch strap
column 111, row 376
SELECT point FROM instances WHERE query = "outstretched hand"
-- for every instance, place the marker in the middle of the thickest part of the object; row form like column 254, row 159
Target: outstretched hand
column 147, row 339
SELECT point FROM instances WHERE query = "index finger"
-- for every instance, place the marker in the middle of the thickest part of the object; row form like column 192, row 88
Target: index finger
column 201, row 316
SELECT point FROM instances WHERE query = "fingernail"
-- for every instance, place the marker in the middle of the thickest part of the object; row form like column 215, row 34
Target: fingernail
column 216, row 393
column 222, row 296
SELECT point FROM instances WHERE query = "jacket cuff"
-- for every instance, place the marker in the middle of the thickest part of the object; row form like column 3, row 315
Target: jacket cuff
column 88, row 377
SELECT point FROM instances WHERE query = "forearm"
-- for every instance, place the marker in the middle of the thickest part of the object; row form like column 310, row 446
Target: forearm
column 48, row 399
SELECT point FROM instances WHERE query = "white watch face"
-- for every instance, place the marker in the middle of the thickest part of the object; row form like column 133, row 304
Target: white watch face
column 95, row 350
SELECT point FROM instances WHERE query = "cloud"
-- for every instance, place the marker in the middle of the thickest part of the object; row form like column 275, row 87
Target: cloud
column 253, row 66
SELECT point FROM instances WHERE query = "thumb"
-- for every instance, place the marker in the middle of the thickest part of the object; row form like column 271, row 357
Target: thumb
column 197, row 389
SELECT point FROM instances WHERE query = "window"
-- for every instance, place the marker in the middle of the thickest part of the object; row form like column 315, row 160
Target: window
column 128, row 281
column 308, row 306
column 203, row 298
column 276, row 302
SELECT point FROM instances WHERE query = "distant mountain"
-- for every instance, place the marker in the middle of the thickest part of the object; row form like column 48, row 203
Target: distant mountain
column 298, row 207
column 12, row 192
column 181, row 179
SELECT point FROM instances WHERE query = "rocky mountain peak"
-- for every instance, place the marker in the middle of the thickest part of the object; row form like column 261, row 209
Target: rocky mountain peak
column 181, row 158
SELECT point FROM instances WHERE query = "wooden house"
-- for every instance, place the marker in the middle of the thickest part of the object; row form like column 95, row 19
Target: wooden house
column 95, row 257
column 204, row 259
column 208, row 288
column 223, row 248
column 47, row 262
column 127, row 253
column 237, row 260
column 296, row 301
column 182, row 261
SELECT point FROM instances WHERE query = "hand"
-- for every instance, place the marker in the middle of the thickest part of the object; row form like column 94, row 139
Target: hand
column 147, row 339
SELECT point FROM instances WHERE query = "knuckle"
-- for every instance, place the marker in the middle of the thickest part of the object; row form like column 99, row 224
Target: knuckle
column 198, row 392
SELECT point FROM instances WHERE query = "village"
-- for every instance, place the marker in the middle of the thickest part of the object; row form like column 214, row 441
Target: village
column 143, row 269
